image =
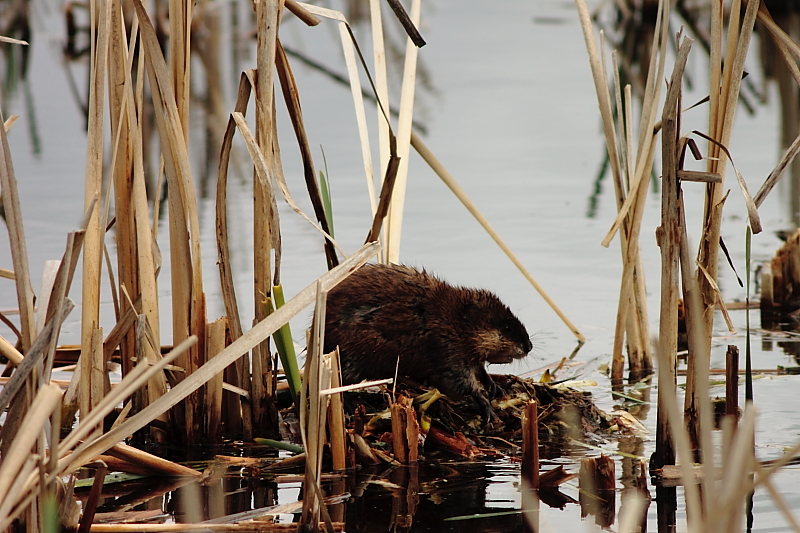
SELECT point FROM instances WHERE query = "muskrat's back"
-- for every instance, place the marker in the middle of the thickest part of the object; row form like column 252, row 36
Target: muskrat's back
column 441, row 335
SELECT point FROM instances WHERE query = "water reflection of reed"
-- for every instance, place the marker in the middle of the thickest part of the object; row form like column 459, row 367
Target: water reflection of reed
column 787, row 15
column 629, row 30
column 15, row 23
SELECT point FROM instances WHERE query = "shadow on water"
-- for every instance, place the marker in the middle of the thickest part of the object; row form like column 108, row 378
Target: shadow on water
column 439, row 494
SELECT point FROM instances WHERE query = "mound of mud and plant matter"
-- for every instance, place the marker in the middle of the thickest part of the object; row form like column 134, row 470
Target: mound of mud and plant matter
column 562, row 411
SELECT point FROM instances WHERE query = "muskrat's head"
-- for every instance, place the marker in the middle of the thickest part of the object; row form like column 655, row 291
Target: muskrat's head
column 500, row 336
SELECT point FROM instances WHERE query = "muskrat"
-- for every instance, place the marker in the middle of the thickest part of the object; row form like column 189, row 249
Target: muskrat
column 443, row 335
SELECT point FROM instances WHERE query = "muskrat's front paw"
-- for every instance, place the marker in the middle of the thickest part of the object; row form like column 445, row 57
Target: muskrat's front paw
column 489, row 416
column 495, row 391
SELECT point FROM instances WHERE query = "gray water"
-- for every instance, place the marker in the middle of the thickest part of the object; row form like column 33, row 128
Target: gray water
column 510, row 109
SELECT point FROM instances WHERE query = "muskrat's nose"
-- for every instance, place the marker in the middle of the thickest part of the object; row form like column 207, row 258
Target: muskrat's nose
column 528, row 346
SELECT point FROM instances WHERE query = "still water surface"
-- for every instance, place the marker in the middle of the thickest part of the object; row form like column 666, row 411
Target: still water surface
column 508, row 106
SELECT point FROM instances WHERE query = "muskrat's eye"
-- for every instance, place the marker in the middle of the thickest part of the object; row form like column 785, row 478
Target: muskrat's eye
column 506, row 328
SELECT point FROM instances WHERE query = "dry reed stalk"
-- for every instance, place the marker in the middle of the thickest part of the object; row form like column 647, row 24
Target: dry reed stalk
column 336, row 426
column 14, row 459
column 8, row 351
column 301, row 12
column 668, row 236
column 394, row 221
column 27, row 369
column 188, row 310
column 699, row 432
column 389, row 161
column 628, row 172
column 224, row 262
column 90, row 505
column 215, row 365
column 148, row 256
column 451, row 183
column 98, row 369
column 387, row 188
column 292, row 100
column 237, row 412
column 216, row 343
column 691, row 319
column 93, row 242
column 721, row 115
column 530, row 445
column 45, row 292
column 722, row 108
column 266, row 226
column 313, row 410
column 122, row 171
column 19, row 257
column 57, row 305
column 361, row 116
column 180, row 29
column 405, row 430
column 151, row 462
column 157, row 386
column 251, row 526
column 381, row 86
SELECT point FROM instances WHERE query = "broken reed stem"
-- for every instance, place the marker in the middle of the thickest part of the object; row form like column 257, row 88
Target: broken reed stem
column 405, row 430
column 336, row 426
column 237, row 410
column 93, row 241
column 451, row 183
column 313, row 410
column 668, row 237
column 597, row 495
column 722, row 109
column 631, row 313
column 721, row 115
column 732, row 382
column 215, row 343
column 530, row 445
column 692, row 313
column 266, row 227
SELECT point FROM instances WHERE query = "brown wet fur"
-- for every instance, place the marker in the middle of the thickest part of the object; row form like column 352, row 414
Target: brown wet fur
column 443, row 335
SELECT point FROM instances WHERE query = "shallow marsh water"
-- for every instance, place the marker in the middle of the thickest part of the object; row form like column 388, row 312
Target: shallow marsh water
column 509, row 109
